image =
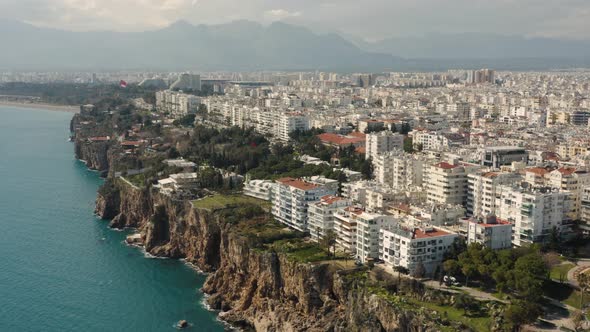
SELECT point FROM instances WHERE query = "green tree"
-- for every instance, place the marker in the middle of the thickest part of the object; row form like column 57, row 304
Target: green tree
column 469, row 270
column 400, row 270
column 329, row 241
column 452, row 267
column 408, row 145
column 521, row 313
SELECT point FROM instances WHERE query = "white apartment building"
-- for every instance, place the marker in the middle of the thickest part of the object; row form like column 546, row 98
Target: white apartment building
column 434, row 141
column 368, row 226
column 383, row 142
column 176, row 103
column 287, row 123
column 410, row 247
column 533, row 211
column 585, row 209
column 490, row 232
column 446, row 183
column 291, row 198
column 400, row 171
column 345, row 228
column 483, row 192
column 321, row 215
column 261, row 189
column 571, row 180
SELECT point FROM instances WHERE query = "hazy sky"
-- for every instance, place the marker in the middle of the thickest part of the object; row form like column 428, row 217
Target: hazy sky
column 371, row 19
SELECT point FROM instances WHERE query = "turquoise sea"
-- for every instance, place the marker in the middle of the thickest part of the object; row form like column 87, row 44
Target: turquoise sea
column 61, row 269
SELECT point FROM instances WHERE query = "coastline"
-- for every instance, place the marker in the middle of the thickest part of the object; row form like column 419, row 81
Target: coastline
column 41, row 106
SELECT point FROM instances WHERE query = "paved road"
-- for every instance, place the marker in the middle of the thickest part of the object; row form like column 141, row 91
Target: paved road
column 580, row 265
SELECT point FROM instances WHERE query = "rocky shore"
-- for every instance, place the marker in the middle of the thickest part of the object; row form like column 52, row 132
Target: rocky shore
column 253, row 287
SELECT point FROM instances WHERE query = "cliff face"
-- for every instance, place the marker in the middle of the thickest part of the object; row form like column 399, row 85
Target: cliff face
column 94, row 154
column 253, row 288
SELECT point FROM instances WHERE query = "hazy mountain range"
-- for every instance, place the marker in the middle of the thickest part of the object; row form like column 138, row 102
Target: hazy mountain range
column 244, row 45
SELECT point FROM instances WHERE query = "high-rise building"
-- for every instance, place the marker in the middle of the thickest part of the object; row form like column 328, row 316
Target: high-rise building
column 382, row 142
column 292, row 197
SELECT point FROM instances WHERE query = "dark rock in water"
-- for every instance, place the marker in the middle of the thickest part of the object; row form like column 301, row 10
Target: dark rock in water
column 182, row 324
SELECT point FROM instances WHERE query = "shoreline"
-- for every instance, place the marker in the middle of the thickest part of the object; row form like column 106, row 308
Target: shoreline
column 41, row 106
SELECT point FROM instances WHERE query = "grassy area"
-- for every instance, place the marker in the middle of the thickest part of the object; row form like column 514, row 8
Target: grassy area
column 566, row 294
column 218, row 202
column 559, row 272
column 265, row 231
column 480, row 324
column 300, row 250
column 137, row 180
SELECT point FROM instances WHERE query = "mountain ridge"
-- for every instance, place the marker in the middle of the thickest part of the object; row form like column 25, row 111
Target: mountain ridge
column 246, row 45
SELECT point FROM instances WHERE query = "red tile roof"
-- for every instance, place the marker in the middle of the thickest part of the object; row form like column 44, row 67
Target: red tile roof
column 420, row 234
column 537, row 171
column 329, row 199
column 297, row 183
column 446, row 165
column 341, row 139
column 567, row 170
column 499, row 222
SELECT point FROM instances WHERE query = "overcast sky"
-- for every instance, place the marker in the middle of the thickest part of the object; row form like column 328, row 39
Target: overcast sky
column 370, row 19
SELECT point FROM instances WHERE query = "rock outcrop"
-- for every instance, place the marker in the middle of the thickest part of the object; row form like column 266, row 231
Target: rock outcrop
column 254, row 289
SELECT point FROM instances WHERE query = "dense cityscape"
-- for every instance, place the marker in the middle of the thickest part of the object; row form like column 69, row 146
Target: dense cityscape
column 473, row 183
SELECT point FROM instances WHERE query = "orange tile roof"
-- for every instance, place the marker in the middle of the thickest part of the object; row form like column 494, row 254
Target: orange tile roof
column 341, row 139
column 329, row 199
column 420, row 234
column 499, row 222
column 297, row 183
column 537, row 170
column 358, row 134
column 567, row 170
column 446, row 165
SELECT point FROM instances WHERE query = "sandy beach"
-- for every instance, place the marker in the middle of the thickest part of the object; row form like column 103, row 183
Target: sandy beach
column 48, row 107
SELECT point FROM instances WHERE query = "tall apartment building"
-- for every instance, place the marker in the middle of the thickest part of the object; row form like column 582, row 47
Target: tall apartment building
column 483, row 192
column 286, row 123
column 400, row 171
column 291, row 199
column 446, row 183
column 321, row 215
column 368, row 226
column 481, row 76
column 176, row 103
column 585, row 210
column 345, row 228
column 533, row 211
column 383, row 142
column 411, row 247
column 571, row 180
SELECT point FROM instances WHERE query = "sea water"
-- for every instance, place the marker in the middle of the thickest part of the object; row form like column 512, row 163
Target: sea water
column 62, row 269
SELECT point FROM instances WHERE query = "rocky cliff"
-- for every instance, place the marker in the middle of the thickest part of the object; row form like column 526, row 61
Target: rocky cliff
column 253, row 288
column 96, row 154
